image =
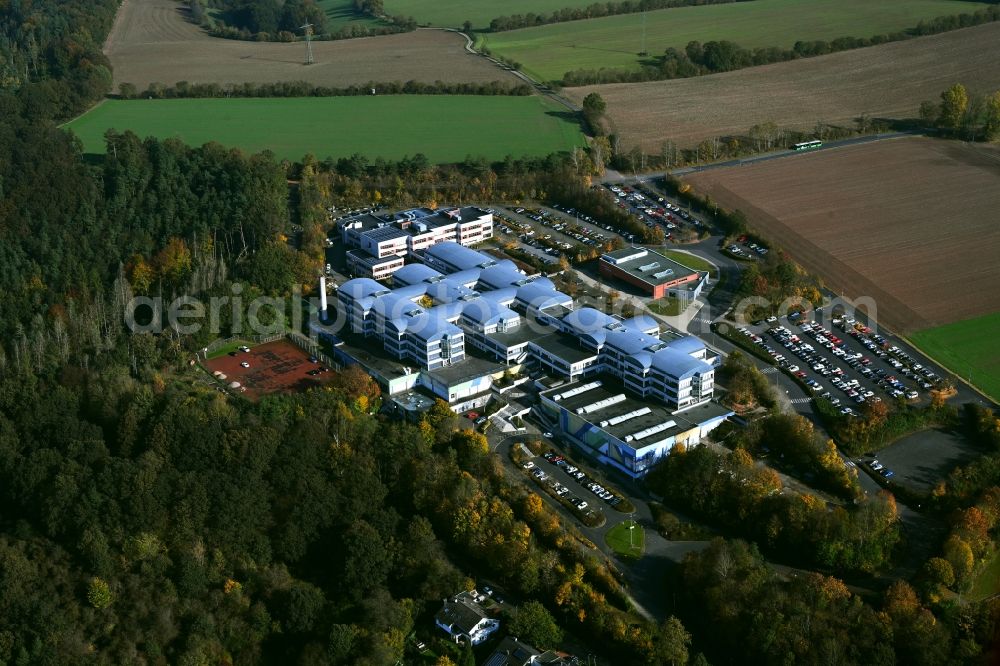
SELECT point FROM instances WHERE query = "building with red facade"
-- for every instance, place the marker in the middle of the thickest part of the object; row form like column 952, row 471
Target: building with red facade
column 652, row 273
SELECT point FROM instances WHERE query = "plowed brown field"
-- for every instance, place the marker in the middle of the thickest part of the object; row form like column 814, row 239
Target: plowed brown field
column 883, row 81
column 153, row 42
column 912, row 223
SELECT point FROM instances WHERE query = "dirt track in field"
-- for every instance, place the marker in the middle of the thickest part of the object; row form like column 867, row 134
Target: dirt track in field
column 888, row 81
column 152, row 41
column 913, row 223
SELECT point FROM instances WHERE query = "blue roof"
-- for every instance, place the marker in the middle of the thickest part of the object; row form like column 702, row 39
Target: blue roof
column 540, row 296
column 642, row 323
column 360, row 287
column 414, row 273
column 502, row 275
column 678, row 364
column 457, row 256
column 585, row 320
column 687, row 345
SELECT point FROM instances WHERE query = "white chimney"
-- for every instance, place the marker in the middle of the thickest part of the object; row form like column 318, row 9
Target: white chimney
column 322, row 295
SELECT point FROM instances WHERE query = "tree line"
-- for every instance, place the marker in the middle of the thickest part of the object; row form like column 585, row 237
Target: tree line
column 971, row 117
column 731, row 490
column 271, row 20
column 50, row 56
column 697, row 59
column 595, row 10
column 184, row 89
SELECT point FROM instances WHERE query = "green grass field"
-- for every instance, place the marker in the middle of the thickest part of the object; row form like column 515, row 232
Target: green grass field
column 627, row 543
column 689, row 260
column 967, row 348
column 445, row 128
column 548, row 52
column 668, row 306
column 453, row 13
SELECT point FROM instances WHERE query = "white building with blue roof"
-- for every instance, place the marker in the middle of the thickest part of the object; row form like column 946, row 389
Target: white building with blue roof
column 476, row 299
column 675, row 371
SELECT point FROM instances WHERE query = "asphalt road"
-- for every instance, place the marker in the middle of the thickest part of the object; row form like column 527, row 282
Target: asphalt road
column 646, row 577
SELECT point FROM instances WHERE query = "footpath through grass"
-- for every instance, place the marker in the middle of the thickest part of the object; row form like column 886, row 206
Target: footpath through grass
column 969, row 349
column 627, row 538
column 548, row 52
column 445, row 128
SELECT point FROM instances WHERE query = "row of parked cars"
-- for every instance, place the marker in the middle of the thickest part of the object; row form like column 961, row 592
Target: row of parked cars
column 581, row 477
column 881, row 469
column 559, row 488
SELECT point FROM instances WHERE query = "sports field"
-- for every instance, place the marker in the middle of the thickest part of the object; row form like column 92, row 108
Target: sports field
column 445, row 128
column 969, row 348
column 614, row 42
column 274, row 367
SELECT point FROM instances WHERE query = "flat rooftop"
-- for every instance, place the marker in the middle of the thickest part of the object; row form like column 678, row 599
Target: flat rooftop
column 564, row 346
column 520, row 335
column 647, row 265
column 652, row 414
column 386, row 225
column 471, row 368
column 371, row 354
column 370, row 260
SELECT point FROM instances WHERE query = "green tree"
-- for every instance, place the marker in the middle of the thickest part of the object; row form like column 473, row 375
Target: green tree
column 533, row 623
column 670, row 645
column 99, row 593
column 594, row 108
column 991, row 119
column 954, row 102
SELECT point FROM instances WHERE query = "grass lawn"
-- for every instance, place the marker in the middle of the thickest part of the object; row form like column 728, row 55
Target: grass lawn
column 668, row 306
column 988, row 581
column 967, row 348
column 453, row 13
column 627, row 542
column 225, row 349
column 548, row 52
column 689, row 260
column 445, row 128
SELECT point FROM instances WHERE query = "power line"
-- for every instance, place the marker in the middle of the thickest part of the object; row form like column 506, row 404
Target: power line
column 308, row 28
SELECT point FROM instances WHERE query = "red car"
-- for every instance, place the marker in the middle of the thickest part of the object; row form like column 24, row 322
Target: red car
column 472, row 415
column 801, row 374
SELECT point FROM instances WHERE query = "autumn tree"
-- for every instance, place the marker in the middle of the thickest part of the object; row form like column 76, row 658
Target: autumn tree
column 954, row 103
column 533, row 623
column 991, row 118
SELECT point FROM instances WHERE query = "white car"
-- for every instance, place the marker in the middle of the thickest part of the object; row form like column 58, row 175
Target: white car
column 528, row 465
column 245, row 364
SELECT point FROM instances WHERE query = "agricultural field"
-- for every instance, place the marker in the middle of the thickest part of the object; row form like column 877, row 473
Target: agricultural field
column 908, row 222
column 969, row 348
column 153, row 42
column 453, row 13
column 886, row 81
column 615, row 42
column 446, row 128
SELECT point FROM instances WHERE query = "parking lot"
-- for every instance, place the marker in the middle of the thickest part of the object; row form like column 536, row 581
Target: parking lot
column 922, row 459
column 846, row 365
column 585, row 493
column 654, row 209
column 547, row 232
